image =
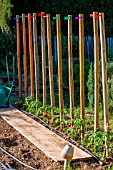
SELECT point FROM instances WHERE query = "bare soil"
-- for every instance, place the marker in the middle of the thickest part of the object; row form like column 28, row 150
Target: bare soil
column 13, row 142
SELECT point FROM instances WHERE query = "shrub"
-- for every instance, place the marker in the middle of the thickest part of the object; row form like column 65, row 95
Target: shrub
column 110, row 86
column 65, row 46
column 90, row 86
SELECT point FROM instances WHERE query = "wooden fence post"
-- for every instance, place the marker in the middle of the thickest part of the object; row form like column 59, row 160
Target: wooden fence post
column 50, row 60
column 18, row 55
column 59, row 51
column 104, row 79
column 96, row 72
column 25, row 55
column 70, row 60
column 43, row 57
column 36, row 59
column 31, row 55
column 81, row 56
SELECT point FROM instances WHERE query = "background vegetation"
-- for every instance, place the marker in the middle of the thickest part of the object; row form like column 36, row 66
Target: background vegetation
column 10, row 8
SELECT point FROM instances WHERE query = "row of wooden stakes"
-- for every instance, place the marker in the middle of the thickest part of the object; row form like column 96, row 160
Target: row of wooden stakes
column 34, row 65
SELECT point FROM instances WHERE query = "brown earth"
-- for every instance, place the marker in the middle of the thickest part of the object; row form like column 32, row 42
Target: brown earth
column 13, row 142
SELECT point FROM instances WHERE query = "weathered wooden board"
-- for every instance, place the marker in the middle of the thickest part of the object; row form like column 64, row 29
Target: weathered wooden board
column 47, row 141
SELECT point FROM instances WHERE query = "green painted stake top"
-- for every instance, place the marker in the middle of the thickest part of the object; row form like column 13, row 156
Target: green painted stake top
column 66, row 18
column 56, row 17
column 21, row 16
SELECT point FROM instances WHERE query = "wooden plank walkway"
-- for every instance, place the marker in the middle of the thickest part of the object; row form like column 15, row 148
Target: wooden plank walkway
column 47, row 141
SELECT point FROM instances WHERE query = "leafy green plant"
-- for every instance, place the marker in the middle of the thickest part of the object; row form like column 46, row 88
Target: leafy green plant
column 90, row 86
column 95, row 142
column 110, row 86
column 65, row 46
column 31, row 104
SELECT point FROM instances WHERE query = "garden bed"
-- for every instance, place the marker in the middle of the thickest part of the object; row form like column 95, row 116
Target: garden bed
column 21, row 148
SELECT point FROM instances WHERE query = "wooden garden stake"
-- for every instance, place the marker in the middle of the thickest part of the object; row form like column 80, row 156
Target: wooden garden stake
column 59, row 51
column 13, row 67
column 104, row 79
column 43, row 57
column 96, row 72
column 81, row 56
column 18, row 56
column 36, row 59
column 70, row 60
column 31, row 55
column 50, row 61
column 7, row 67
column 25, row 55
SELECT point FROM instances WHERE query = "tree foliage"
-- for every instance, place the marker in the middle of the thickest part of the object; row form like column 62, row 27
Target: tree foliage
column 64, row 7
column 7, row 47
column 5, row 14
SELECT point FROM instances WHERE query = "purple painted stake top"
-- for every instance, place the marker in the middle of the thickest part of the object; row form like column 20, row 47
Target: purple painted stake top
column 78, row 17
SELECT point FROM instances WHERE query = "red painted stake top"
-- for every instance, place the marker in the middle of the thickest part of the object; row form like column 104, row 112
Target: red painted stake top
column 40, row 15
column 95, row 15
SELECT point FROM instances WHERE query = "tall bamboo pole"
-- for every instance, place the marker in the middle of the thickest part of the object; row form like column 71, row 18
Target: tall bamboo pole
column 59, row 51
column 104, row 79
column 43, row 57
column 81, row 56
column 7, row 67
column 70, row 60
column 36, row 59
column 18, row 56
column 50, row 60
column 96, row 72
column 25, row 55
column 31, row 55
column 13, row 67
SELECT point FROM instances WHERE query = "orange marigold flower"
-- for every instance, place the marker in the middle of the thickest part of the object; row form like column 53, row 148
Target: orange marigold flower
column 44, row 114
column 51, row 122
column 88, row 145
column 94, row 147
column 50, row 116
column 78, row 144
column 16, row 102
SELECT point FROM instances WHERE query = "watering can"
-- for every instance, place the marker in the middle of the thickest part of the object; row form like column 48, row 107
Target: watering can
column 5, row 93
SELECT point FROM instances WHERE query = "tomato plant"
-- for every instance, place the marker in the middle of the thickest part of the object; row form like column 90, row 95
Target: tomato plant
column 94, row 141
